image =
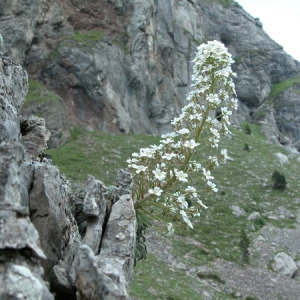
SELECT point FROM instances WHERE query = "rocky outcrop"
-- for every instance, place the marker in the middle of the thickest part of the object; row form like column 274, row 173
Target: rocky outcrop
column 284, row 264
column 125, row 66
column 42, row 254
column 279, row 116
column 21, row 276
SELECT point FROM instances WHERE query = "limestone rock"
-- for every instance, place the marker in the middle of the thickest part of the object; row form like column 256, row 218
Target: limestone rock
column 21, row 276
column 237, row 211
column 14, row 86
column 55, row 114
column 39, row 237
column 96, row 207
column 253, row 216
column 282, row 158
column 90, row 283
column 125, row 66
column 284, row 264
column 34, row 135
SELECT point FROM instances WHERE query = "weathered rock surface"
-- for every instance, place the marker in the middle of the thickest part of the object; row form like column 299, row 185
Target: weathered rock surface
column 125, row 66
column 41, row 249
column 284, row 264
column 21, row 276
column 55, row 115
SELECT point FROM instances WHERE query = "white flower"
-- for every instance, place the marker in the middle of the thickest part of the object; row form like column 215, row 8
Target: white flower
column 181, row 176
column 156, row 191
column 139, row 168
column 169, row 156
column 159, row 174
column 186, row 219
column 132, row 160
column 183, row 131
column 191, row 190
column 198, row 166
column 147, row 152
column 177, row 145
column 224, row 155
column 225, row 111
column 212, row 186
column 170, row 229
column 168, row 135
column 201, row 203
column 215, row 132
column 156, row 147
column 207, row 174
column 167, row 141
column 183, row 203
column 214, row 160
column 190, row 144
column 213, row 99
column 212, row 89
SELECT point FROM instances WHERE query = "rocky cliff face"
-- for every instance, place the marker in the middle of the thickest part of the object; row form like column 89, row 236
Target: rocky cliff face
column 41, row 249
column 125, row 66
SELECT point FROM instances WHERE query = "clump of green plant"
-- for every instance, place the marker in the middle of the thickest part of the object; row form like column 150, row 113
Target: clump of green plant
column 247, row 129
column 278, row 181
column 246, row 147
column 259, row 222
column 244, row 247
column 162, row 174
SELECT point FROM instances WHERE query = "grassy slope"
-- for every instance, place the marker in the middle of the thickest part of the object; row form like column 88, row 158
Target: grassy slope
column 39, row 94
column 244, row 181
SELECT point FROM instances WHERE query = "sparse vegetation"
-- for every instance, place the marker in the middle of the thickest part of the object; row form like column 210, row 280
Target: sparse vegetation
column 244, row 247
column 83, row 40
column 278, row 181
column 244, row 180
column 88, row 38
column 97, row 153
column 38, row 93
column 280, row 87
column 247, row 129
column 246, row 147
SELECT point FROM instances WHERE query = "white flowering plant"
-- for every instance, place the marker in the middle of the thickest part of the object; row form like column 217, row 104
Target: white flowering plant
column 163, row 174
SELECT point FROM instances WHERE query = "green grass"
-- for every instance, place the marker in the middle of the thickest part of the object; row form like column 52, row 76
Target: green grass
column 280, row 87
column 82, row 40
column 96, row 153
column 88, row 38
column 245, row 181
column 38, row 93
column 154, row 279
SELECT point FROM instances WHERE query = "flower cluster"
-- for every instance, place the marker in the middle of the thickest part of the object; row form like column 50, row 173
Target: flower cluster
column 161, row 173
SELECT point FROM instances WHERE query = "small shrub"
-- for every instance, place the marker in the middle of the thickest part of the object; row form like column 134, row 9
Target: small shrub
column 278, row 181
column 246, row 147
column 244, row 247
column 247, row 129
column 259, row 222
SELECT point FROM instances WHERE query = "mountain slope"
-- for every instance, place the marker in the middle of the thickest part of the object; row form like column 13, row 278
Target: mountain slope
column 125, row 66
column 209, row 259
